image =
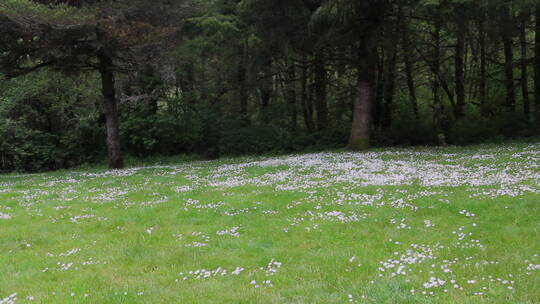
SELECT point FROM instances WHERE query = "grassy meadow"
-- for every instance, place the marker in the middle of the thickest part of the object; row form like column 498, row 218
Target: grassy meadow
column 418, row 225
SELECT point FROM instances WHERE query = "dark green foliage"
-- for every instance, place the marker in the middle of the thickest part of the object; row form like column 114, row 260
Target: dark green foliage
column 176, row 128
column 479, row 129
column 48, row 122
column 471, row 131
column 25, row 149
column 405, row 132
column 218, row 78
column 237, row 139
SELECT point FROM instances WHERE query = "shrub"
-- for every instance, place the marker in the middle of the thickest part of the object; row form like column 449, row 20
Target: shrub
column 236, row 138
column 47, row 122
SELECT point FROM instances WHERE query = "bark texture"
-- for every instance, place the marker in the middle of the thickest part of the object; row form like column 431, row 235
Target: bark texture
column 508, row 59
column 459, row 110
column 114, row 149
column 320, row 91
column 362, row 111
column 524, row 66
column 409, row 67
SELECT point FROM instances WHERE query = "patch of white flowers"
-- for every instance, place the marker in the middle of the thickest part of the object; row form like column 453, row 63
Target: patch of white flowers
column 11, row 299
column 434, row 282
column 333, row 185
column 467, row 213
column 200, row 274
column 428, row 224
column 232, row 232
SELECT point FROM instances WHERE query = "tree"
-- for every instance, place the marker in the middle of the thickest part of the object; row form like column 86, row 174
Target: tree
column 460, row 11
column 249, row 76
column 524, row 19
column 506, row 31
column 357, row 23
column 108, row 37
column 408, row 53
column 537, row 65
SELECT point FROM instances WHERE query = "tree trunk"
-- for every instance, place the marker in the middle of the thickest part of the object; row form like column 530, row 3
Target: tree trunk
column 537, row 66
column 409, row 66
column 390, row 81
column 242, row 87
column 506, row 33
column 437, row 105
column 378, row 104
column 459, row 110
column 362, row 112
column 114, row 150
column 524, row 73
column 509, row 74
column 292, row 95
column 308, row 121
column 483, row 66
column 390, row 85
column 266, row 91
column 320, row 91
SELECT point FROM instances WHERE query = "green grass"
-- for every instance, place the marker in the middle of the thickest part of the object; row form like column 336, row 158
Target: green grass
column 313, row 228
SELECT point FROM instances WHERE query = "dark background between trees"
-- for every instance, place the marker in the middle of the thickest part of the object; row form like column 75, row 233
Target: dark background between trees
column 82, row 80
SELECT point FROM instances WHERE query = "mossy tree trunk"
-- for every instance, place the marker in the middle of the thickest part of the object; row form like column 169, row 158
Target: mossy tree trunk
column 362, row 110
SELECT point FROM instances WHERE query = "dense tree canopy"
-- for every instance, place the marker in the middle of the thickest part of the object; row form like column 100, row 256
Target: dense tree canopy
column 109, row 37
column 256, row 76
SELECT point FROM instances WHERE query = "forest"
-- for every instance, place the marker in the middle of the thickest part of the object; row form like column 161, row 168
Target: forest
column 85, row 80
column 270, row 151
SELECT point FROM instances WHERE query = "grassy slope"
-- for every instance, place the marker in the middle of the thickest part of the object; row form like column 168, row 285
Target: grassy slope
column 319, row 228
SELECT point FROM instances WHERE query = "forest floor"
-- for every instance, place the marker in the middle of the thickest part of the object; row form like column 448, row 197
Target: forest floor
column 419, row 225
